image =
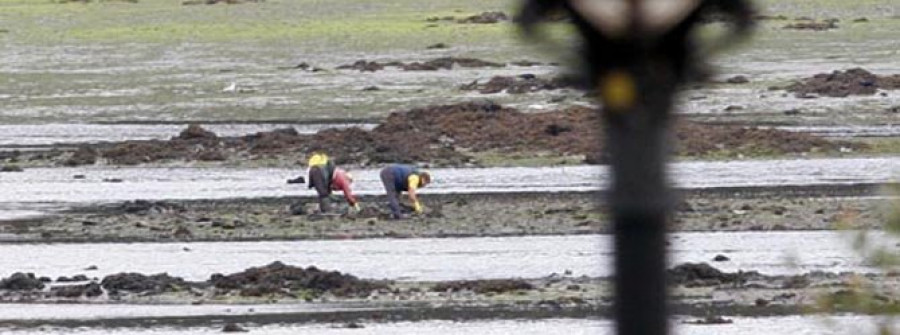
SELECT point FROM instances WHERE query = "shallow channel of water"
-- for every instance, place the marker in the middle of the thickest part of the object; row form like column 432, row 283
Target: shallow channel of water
column 440, row 258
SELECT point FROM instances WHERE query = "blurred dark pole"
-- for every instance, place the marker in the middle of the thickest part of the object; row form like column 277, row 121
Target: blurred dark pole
column 636, row 69
column 636, row 139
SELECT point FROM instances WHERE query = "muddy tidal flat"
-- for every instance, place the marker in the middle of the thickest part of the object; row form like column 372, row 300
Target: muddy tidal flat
column 144, row 148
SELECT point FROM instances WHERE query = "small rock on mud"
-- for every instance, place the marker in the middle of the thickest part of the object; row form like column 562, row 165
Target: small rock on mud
column 486, row 18
column 233, row 328
column 826, row 24
column 194, row 132
column 710, row 320
column 297, row 208
column 737, row 80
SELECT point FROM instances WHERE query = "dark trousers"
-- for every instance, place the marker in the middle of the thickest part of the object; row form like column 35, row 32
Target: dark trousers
column 387, row 178
column 319, row 181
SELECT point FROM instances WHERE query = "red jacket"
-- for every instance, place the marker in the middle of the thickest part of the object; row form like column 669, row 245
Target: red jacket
column 340, row 182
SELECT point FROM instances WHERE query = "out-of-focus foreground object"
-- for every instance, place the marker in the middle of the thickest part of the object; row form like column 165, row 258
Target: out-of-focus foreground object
column 634, row 55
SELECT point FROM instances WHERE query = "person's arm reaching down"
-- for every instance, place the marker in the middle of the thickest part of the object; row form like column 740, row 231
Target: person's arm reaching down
column 413, row 182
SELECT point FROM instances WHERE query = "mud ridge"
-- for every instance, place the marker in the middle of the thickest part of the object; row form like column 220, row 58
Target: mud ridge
column 442, row 135
column 698, row 289
column 839, row 84
column 276, row 279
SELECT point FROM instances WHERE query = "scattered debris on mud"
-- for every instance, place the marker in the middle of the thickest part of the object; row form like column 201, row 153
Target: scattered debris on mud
column 813, row 25
column 718, row 17
column 302, row 66
column 440, row 18
column 702, row 274
column 443, row 63
column 483, row 286
column 529, row 63
column 856, row 81
column 709, row 320
column 144, row 207
column 525, row 83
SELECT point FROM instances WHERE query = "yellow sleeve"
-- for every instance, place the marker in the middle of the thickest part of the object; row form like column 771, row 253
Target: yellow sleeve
column 413, row 181
column 317, row 159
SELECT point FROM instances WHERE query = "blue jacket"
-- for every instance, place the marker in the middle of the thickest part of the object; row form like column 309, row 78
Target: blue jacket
column 401, row 176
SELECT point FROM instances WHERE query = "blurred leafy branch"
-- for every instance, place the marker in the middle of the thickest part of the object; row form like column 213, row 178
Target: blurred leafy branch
column 871, row 294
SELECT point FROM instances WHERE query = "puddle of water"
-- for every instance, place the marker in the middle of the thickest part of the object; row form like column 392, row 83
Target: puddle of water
column 437, row 258
column 792, row 325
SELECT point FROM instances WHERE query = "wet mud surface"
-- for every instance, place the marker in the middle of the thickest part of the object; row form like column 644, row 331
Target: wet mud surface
column 444, row 135
column 446, row 215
